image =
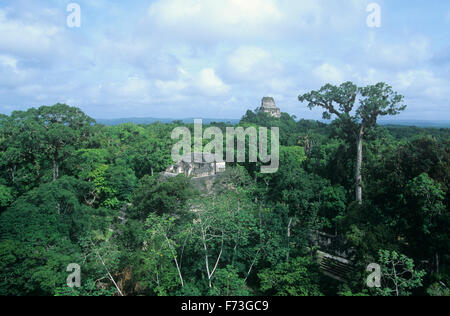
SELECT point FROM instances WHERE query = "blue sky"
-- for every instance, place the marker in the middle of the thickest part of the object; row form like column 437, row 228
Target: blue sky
column 218, row 58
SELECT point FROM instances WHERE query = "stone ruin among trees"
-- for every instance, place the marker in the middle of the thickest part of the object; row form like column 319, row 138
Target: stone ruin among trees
column 268, row 106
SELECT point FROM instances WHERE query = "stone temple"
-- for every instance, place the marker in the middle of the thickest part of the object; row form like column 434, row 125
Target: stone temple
column 268, row 106
column 191, row 167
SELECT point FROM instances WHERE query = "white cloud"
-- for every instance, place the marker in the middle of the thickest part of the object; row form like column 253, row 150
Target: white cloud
column 206, row 82
column 11, row 74
column 404, row 53
column 281, row 85
column 210, row 84
column 135, row 87
column 172, row 87
column 423, row 82
column 131, row 90
column 328, row 74
column 32, row 89
column 206, row 20
column 8, row 61
column 225, row 12
column 219, row 16
column 253, row 64
column 28, row 35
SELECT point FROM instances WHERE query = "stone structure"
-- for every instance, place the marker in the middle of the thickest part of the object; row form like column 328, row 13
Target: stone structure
column 190, row 167
column 268, row 106
column 334, row 256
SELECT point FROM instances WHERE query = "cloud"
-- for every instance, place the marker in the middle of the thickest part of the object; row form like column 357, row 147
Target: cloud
column 403, row 53
column 281, row 85
column 8, row 61
column 253, row 64
column 210, row 84
column 214, row 58
column 12, row 73
column 225, row 12
column 29, row 35
column 171, row 87
column 329, row 74
column 219, row 17
column 135, row 87
column 206, row 82
column 231, row 20
column 423, row 82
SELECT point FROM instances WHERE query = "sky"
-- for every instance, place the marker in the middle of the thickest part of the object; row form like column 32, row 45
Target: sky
column 218, row 58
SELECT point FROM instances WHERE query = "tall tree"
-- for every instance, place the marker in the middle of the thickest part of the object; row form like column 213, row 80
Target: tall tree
column 19, row 148
column 374, row 101
column 64, row 128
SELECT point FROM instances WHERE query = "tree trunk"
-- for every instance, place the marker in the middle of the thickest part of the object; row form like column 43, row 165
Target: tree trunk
column 13, row 174
column 394, row 273
column 289, row 239
column 253, row 263
column 176, row 261
column 55, row 170
column 359, row 161
column 109, row 274
column 209, row 273
column 437, row 262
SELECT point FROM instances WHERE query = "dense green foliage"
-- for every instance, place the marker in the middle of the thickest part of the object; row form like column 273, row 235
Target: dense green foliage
column 73, row 191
